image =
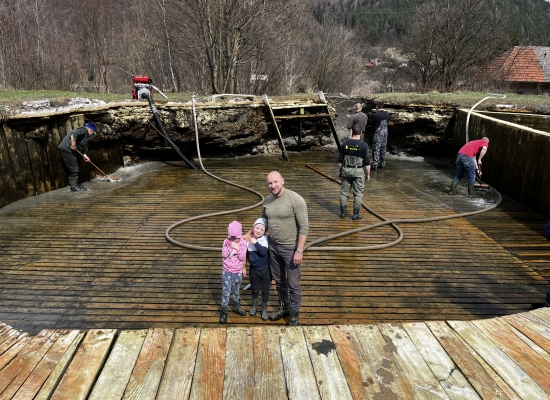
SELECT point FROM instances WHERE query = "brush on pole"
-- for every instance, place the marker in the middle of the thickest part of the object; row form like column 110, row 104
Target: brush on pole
column 104, row 176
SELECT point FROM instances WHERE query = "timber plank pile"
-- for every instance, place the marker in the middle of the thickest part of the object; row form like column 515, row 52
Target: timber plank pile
column 100, row 260
column 498, row 358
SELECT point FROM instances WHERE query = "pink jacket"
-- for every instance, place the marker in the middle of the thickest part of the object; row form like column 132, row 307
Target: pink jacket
column 233, row 263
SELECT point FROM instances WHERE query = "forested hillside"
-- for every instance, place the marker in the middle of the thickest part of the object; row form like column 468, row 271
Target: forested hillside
column 386, row 22
column 258, row 46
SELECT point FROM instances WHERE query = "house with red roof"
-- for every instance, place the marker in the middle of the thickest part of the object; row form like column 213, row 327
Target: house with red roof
column 526, row 69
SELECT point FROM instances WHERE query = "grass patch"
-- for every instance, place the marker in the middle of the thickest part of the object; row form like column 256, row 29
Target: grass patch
column 517, row 102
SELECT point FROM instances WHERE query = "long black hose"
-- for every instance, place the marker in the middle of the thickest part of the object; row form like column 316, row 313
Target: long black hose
column 160, row 126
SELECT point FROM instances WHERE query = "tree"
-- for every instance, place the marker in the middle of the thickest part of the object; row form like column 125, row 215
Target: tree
column 224, row 42
column 449, row 39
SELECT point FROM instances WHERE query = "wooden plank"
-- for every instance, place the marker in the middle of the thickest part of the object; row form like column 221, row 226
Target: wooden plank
column 55, row 376
column 423, row 382
column 239, row 364
column 269, row 378
column 180, row 364
column 445, row 370
column 330, row 377
column 537, row 333
column 541, row 314
column 30, row 363
column 499, row 361
column 46, row 365
column 20, row 363
column 524, row 356
column 390, row 378
column 13, row 349
column 539, row 350
column 39, row 165
column 477, row 376
column 86, row 365
column 55, row 164
column 210, row 366
column 300, row 377
column 145, row 378
column 359, row 375
column 11, row 337
column 20, row 162
column 118, row 368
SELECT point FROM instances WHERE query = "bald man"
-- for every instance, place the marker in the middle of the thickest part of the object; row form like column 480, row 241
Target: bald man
column 286, row 214
column 358, row 121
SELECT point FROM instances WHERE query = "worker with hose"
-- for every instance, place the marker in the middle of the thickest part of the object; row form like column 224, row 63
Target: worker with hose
column 75, row 141
column 466, row 163
column 353, row 167
column 286, row 214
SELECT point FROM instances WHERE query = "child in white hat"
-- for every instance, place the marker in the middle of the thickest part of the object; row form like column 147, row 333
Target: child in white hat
column 234, row 257
column 258, row 258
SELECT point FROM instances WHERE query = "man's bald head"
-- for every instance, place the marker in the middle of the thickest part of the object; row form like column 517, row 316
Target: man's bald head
column 275, row 183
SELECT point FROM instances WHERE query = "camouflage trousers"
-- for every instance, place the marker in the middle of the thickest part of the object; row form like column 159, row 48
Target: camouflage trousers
column 379, row 144
column 231, row 283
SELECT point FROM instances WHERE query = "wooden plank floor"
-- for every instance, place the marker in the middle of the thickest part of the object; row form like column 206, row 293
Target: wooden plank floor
column 99, row 259
column 497, row 358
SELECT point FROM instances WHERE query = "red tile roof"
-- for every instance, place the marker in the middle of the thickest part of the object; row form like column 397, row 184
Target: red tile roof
column 519, row 64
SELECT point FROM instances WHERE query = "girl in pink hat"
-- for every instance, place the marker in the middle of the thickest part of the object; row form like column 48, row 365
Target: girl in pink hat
column 234, row 257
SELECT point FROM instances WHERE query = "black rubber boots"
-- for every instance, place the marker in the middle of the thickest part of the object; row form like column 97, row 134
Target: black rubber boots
column 282, row 311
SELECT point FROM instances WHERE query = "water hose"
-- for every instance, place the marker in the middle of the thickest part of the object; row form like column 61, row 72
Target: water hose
column 503, row 96
column 193, row 247
column 311, row 245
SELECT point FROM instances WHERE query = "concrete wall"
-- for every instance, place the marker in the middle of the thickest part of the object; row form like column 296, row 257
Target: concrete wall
column 30, row 163
column 518, row 160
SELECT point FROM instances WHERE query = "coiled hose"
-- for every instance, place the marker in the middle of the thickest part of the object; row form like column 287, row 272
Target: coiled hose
column 311, row 245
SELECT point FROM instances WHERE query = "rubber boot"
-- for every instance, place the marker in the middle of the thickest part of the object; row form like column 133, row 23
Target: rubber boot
column 454, row 184
column 237, row 308
column 265, row 315
column 254, row 307
column 282, row 311
column 81, row 188
column 472, row 190
column 73, row 182
column 343, row 211
column 223, row 315
column 356, row 214
column 294, row 319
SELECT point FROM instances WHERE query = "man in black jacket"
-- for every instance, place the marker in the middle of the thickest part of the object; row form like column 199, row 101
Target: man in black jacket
column 353, row 166
column 77, row 139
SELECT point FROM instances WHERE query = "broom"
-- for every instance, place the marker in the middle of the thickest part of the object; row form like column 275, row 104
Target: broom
column 103, row 177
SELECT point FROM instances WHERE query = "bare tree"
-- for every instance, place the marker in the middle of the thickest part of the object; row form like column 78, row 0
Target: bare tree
column 449, row 39
column 333, row 60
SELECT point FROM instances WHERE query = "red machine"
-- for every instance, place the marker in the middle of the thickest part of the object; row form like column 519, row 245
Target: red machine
column 139, row 82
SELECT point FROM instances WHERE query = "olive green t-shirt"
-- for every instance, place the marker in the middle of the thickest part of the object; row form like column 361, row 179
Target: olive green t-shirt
column 286, row 217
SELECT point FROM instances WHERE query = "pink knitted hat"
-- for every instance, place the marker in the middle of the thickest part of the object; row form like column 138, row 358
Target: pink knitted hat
column 235, row 229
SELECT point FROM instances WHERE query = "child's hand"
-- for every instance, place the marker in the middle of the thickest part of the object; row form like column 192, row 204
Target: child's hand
column 253, row 240
column 244, row 270
column 235, row 245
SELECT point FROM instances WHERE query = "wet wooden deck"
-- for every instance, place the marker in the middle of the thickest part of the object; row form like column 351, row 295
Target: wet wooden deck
column 499, row 358
column 99, row 259
column 103, row 307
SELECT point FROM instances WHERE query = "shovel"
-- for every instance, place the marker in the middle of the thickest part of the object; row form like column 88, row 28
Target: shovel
column 104, row 176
